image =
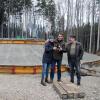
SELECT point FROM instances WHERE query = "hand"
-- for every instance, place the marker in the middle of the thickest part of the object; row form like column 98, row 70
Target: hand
column 60, row 49
column 54, row 48
column 46, row 41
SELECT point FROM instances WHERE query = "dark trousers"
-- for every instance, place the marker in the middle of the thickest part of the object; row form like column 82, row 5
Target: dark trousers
column 58, row 69
column 75, row 67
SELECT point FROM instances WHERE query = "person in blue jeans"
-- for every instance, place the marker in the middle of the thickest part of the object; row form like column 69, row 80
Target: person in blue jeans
column 59, row 48
column 75, row 53
column 47, row 60
column 59, row 62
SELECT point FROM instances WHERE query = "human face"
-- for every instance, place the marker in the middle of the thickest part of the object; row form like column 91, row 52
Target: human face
column 60, row 37
column 51, row 40
column 71, row 40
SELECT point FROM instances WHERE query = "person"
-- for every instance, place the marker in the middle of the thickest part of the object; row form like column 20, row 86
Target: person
column 47, row 59
column 57, row 57
column 75, row 54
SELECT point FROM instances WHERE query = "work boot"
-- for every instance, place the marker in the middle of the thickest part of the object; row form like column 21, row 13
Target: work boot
column 43, row 83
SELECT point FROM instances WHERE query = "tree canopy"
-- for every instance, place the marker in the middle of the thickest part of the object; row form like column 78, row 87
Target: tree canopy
column 47, row 8
column 12, row 7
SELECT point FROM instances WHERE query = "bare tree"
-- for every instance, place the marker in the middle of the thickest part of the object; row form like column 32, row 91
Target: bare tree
column 92, row 23
column 98, row 39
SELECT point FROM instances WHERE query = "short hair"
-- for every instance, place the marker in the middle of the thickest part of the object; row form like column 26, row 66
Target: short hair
column 51, row 37
column 73, row 36
column 61, row 34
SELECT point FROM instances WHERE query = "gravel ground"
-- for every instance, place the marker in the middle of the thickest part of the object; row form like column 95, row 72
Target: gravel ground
column 91, row 87
column 25, row 87
column 28, row 87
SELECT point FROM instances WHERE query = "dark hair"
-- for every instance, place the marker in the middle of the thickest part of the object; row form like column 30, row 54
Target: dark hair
column 73, row 36
column 51, row 37
column 61, row 34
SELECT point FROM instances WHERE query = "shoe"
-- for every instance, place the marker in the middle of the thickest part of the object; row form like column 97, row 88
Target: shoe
column 51, row 81
column 59, row 80
column 71, row 81
column 43, row 83
column 78, row 84
column 47, row 81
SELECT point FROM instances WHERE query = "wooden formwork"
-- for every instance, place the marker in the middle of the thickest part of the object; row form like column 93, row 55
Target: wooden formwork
column 90, row 68
column 37, row 69
column 12, row 69
column 31, row 41
column 92, row 63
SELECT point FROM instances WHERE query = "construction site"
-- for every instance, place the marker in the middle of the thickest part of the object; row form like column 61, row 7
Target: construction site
column 41, row 37
column 20, row 74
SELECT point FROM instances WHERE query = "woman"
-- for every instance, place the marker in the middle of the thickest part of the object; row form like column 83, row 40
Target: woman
column 47, row 60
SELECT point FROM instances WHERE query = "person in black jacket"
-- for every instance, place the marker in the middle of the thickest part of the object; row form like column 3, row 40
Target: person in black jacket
column 75, row 53
column 47, row 60
column 59, row 46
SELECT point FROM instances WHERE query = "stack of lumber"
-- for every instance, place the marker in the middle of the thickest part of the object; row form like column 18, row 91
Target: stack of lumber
column 91, row 70
column 67, row 90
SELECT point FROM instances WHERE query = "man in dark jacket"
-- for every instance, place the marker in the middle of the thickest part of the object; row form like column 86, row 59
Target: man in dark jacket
column 57, row 57
column 75, row 54
column 47, row 60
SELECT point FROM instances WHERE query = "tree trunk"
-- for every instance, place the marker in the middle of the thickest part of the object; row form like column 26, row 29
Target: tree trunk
column 68, row 20
column 98, row 39
column 92, row 23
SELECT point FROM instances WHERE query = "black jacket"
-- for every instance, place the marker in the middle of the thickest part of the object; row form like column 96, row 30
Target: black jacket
column 57, row 55
column 48, row 53
column 79, row 51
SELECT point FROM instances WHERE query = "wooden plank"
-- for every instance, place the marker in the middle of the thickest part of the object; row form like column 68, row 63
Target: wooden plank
column 33, row 42
column 77, row 95
column 72, row 90
column 14, row 69
column 66, row 81
column 90, row 72
column 97, row 62
column 3, row 42
column 64, row 68
column 69, row 90
column 29, row 42
column 23, row 70
column 6, row 70
column 9, row 42
column 18, row 42
column 60, row 90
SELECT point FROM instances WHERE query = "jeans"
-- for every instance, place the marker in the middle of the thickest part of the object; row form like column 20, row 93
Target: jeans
column 45, row 70
column 75, row 67
column 58, row 69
